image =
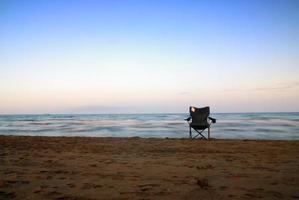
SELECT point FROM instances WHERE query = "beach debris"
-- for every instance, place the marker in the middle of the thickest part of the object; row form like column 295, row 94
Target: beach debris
column 203, row 183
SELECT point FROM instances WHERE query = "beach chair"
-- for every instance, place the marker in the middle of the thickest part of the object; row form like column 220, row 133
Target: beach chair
column 199, row 120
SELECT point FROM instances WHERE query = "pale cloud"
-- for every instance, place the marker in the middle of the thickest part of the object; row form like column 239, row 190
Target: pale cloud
column 266, row 88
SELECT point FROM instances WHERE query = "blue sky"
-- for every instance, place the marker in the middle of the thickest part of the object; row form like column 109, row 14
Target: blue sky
column 148, row 56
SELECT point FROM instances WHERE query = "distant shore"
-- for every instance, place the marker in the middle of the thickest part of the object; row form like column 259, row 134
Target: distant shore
column 139, row 168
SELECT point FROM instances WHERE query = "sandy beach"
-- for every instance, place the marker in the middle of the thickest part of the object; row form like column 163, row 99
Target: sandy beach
column 136, row 168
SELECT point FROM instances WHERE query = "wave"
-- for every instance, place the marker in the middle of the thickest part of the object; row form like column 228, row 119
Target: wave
column 253, row 126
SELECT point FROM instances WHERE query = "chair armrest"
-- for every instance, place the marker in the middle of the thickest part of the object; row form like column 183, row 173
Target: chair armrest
column 187, row 119
column 212, row 119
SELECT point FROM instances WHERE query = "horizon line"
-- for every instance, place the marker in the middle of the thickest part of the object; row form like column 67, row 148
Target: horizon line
column 144, row 113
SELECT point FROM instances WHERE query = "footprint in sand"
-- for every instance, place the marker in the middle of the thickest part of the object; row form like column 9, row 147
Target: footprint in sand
column 53, row 193
column 146, row 187
column 90, row 186
column 7, row 195
column 223, row 187
column 71, row 185
column 37, row 191
column 208, row 166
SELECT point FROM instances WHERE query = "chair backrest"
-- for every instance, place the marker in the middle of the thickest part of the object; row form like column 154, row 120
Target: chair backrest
column 199, row 115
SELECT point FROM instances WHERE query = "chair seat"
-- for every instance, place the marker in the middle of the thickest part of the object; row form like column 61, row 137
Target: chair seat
column 199, row 127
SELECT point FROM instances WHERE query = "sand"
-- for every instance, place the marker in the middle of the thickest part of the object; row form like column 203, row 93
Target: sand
column 136, row 168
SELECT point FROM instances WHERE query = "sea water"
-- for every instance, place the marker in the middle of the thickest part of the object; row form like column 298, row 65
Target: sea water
column 277, row 126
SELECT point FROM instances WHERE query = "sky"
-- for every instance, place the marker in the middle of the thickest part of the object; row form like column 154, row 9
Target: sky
column 123, row 56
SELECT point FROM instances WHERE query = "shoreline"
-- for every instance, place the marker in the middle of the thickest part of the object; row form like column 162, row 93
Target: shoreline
column 158, row 138
column 63, row 167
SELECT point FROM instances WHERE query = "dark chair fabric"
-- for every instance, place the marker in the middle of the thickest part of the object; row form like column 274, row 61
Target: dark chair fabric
column 199, row 117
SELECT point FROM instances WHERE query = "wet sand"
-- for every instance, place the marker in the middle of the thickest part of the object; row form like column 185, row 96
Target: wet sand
column 135, row 168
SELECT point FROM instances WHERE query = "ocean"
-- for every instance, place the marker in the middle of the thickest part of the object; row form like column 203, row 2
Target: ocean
column 273, row 126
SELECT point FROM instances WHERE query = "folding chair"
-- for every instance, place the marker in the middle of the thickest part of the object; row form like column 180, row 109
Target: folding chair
column 199, row 120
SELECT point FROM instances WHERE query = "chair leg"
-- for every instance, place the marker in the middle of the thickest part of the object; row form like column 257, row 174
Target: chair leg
column 209, row 131
column 199, row 133
column 190, row 132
